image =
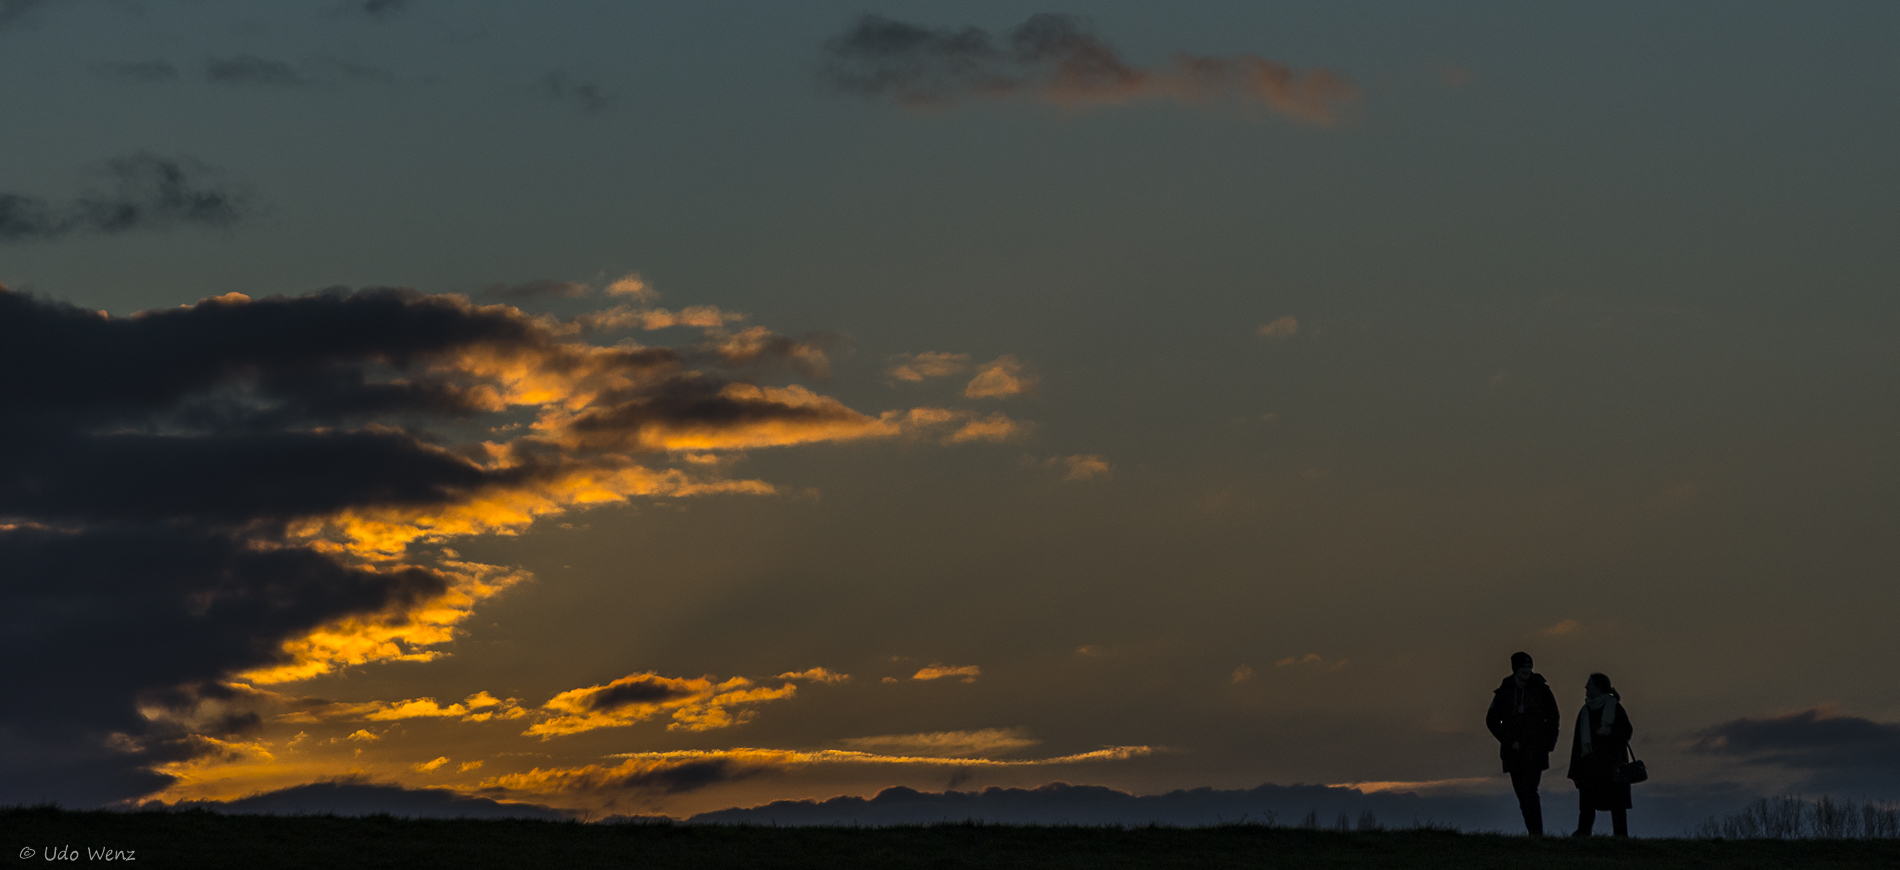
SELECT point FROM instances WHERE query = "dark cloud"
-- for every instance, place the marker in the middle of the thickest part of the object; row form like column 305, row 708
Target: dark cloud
column 111, row 613
column 357, row 797
column 564, row 88
column 245, row 69
column 139, row 71
column 542, row 289
column 640, row 691
column 146, row 192
column 1837, row 751
column 681, row 777
column 1057, row 59
column 184, row 491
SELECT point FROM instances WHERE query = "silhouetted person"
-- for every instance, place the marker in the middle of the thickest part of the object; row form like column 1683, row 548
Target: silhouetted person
column 1523, row 717
column 1603, row 735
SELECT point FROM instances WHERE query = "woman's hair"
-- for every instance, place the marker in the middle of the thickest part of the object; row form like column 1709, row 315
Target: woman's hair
column 1603, row 684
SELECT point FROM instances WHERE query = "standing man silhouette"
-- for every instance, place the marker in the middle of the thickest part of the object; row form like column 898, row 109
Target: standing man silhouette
column 1523, row 717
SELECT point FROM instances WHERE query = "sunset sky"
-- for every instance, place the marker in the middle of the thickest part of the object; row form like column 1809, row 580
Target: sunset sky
column 639, row 408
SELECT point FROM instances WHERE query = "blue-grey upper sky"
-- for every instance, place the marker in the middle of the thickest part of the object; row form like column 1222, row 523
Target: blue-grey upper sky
column 1224, row 389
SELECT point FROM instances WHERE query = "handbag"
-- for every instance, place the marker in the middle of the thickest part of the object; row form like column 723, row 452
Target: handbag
column 1632, row 771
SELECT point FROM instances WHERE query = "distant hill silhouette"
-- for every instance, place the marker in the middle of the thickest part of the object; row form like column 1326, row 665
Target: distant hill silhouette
column 1062, row 803
column 349, row 798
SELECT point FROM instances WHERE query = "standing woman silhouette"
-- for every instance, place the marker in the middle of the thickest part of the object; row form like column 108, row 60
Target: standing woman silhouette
column 1602, row 734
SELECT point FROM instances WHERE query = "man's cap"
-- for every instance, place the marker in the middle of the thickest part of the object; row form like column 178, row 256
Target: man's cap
column 1520, row 659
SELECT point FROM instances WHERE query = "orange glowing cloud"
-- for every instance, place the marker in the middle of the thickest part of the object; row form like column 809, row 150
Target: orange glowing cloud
column 396, row 634
column 995, row 427
column 627, row 317
column 999, row 377
column 816, row 675
column 694, row 704
column 946, row 744
column 691, row 769
column 479, row 707
column 969, row 673
column 1085, row 466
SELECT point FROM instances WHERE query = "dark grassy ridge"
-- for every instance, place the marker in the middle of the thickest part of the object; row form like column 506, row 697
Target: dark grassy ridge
column 207, row 840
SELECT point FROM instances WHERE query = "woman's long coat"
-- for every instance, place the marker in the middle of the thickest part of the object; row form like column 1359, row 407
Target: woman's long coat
column 1595, row 774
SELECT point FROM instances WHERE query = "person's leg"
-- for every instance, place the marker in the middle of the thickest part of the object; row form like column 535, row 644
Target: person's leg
column 1620, row 822
column 1525, row 784
column 1586, row 817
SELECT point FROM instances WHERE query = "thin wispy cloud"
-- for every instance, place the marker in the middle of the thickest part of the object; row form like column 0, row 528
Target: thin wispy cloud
column 530, row 290
column 1279, row 327
column 1565, row 628
column 144, row 192
column 995, row 427
column 138, row 71
column 915, row 367
column 682, row 771
column 946, row 744
column 1000, row 377
column 969, row 673
column 563, row 87
column 247, row 69
column 1057, row 59
column 1082, row 466
column 1310, row 660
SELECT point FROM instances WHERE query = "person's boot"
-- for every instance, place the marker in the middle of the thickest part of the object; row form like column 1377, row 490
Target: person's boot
column 1620, row 823
column 1586, row 819
column 1534, row 820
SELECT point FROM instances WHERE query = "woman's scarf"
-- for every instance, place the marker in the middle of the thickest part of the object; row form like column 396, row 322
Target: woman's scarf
column 1606, row 703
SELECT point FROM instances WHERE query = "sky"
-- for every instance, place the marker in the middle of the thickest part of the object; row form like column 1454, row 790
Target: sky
column 639, row 408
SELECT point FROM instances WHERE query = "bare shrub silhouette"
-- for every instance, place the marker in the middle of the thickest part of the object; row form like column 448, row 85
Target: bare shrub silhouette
column 1792, row 817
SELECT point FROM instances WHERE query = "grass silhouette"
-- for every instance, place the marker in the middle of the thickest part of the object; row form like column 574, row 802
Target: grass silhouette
column 202, row 839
